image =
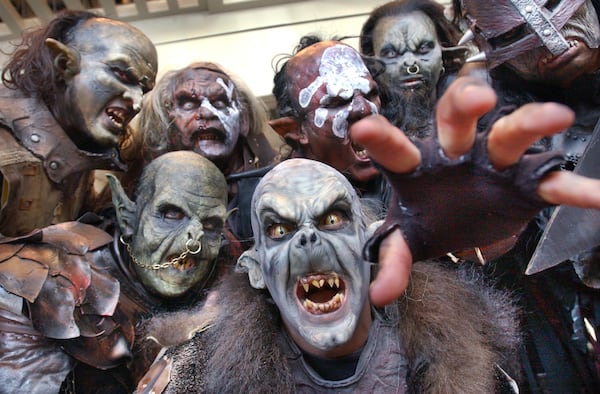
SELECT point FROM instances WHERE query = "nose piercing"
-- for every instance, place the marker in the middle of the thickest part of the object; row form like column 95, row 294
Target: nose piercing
column 414, row 69
column 193, row 243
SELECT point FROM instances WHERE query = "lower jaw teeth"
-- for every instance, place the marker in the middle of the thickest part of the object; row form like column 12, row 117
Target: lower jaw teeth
column 324, row 307
column 184, row 265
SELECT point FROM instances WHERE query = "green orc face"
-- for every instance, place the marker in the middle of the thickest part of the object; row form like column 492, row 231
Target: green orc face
column 180, row 206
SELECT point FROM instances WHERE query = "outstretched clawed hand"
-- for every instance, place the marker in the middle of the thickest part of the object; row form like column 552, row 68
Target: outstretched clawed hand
column 462, row 188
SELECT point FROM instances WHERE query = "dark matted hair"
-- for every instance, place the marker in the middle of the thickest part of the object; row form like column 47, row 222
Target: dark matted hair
column 30, row 67
column 285, row 105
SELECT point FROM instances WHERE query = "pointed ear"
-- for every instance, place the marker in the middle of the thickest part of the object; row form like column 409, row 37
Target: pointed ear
column 248, row 262
column 124, row 207
column 66, row 59
column 290, row 129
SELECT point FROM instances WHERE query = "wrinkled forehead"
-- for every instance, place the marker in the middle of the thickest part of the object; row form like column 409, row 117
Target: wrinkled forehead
column 202, row 76
column 204, row 83
column 118, row 40
column 301, row 181
column 415, row 25
column 188, row 173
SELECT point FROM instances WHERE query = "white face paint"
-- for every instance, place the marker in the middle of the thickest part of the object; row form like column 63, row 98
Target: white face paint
column 228, row 116
column 340, row 120
column 342, row 72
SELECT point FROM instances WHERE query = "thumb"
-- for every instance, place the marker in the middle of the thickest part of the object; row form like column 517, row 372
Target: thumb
column 395, row 263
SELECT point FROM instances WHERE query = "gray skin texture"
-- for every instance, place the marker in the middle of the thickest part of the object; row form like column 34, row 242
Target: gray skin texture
column 183, row 197
column 407, row 40
column 107, row 68
column 308, row 225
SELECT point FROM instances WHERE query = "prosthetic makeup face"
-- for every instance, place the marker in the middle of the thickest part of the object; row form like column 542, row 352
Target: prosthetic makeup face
column 309, row 234
column 206, row 113
column 552, row 41
column 116, row 65
column 180, row 205
column 409, row 47
column 333, row 89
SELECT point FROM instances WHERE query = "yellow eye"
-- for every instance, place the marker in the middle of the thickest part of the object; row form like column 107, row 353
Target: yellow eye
column 279, row 230
column 332, row 220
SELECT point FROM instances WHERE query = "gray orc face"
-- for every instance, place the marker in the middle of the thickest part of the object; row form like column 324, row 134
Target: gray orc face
column 118, row 64
column 309, row 234
column 409, row 46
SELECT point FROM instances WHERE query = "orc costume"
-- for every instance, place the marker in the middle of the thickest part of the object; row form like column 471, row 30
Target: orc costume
column 560, row 353
column 45, row 178
column 247, row 350
column 69, row 310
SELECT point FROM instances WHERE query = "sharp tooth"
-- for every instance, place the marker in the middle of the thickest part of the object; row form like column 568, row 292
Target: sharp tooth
column 306, row 287
column 337, row 282
column 338, row 298
column 315, row 283
column 321, row 282
column 331, row 282
column 321, row 307
column 308, row 304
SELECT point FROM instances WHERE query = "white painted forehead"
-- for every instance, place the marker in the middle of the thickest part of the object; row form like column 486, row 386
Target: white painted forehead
column 343, row 70
column 342, row 60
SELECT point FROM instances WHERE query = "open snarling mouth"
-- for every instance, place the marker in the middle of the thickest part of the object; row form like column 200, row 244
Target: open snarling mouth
column 360, row 152
column 211, row 134
column 321, row 293
column 184, row 264
column 563, row 57
column 119, row 117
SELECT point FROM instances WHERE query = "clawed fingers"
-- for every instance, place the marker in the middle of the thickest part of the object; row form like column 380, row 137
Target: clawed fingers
column 386, row 144
column 457, row 112
column 513, row 134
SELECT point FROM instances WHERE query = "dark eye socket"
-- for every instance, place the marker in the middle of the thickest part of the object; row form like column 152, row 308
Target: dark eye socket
column 333, row 220
column 212, row 224
column 279, row 230
column 124, row 76
column 425, row 47
column 373, row 93
column 220, row 104
column 171, row 213
column 187, row 104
